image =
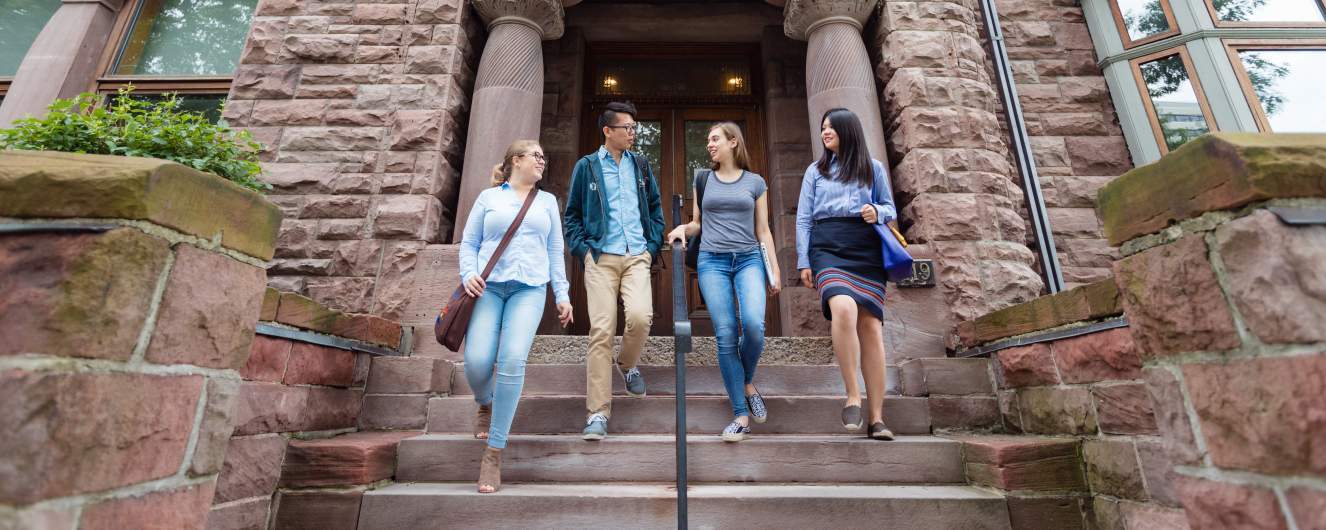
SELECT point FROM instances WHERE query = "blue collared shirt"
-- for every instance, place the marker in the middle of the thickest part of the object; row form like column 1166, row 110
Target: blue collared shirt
column 625, row 235
column 823, row 197
column 534, row 256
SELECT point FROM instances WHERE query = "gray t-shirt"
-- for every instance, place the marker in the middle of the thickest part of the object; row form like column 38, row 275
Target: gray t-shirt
column 727, row 217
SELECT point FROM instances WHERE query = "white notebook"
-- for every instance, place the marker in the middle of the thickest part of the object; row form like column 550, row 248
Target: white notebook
column 768, row 266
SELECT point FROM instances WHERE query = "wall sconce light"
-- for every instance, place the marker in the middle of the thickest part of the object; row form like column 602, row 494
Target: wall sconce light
column 610, row 83
column 735, row 83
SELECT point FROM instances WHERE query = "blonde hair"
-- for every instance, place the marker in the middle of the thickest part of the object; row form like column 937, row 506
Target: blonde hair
column 732, row 131
column 502, row 172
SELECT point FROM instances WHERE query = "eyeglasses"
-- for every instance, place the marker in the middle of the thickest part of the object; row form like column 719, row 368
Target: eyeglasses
column 536, row 156
column 631, row 128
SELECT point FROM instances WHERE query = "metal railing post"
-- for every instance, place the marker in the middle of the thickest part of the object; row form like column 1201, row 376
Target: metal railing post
column 681, row 336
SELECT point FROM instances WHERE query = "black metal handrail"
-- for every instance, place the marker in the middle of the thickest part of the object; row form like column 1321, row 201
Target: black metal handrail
column 681, row 336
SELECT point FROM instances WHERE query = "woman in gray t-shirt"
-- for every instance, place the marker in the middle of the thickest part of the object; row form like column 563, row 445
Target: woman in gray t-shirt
column 734, row 223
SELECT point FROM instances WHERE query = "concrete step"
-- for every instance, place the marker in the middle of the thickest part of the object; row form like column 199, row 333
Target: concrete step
column 775, row 380
column 544, row 414
column 651, row 458
column 457, row 505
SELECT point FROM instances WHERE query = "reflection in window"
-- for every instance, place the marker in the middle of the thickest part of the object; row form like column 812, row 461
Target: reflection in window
column 186, row 37
column 23, row 20
column 1288, row 85
column 649, row 142
column 1143, row 18
column 209, row 105
column 1178, row 114
column 1268, row 10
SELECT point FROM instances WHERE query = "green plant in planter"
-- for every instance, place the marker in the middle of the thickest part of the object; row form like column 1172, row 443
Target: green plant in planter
column 128, row 126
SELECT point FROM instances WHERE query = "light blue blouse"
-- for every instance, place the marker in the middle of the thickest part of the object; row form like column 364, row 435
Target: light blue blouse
column 534, row 256
column 823, row 197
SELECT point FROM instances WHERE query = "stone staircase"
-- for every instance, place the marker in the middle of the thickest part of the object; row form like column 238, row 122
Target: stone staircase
column 799, row 469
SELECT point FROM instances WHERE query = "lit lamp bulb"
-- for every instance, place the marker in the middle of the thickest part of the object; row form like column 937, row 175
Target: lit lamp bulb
column 609, row 82
column 735, row 83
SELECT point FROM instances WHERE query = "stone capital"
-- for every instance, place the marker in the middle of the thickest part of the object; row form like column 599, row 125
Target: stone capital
column 546, row 16
column 800, row 17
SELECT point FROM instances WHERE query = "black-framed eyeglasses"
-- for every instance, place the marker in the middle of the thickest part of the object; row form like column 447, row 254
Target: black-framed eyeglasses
column 536, row 156
column 632, row 128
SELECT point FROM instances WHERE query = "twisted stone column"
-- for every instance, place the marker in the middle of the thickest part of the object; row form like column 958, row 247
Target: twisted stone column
column 838, row 71
column 59, row 63
column 508, row 92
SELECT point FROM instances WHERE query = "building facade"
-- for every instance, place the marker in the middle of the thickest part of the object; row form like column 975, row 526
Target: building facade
column 380, row 120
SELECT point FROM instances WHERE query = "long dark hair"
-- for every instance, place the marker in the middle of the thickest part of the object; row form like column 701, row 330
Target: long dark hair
column 853, row 155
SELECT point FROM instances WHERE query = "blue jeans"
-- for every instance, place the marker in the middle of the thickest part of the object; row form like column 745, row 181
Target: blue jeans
column 723, row 275
column 497, row 343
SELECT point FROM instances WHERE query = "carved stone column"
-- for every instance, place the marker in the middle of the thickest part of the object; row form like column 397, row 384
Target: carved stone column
column 508, row 92
column 60, row 63
column 838, row 72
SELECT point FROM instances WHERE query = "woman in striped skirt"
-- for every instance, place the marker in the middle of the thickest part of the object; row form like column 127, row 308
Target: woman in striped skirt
column 838, row 254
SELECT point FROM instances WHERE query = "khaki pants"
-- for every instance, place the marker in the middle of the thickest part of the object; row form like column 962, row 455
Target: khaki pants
column 613, row 274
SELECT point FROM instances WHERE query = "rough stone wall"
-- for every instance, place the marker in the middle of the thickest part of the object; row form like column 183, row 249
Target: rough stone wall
column 953, row 182
column 119, row 346
column 1075, row 136
column 362, row 107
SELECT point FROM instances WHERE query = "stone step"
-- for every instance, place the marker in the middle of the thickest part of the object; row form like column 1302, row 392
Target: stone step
column 659, row 350
column 652, row 458
column 569, row 379
column 546, row 414
column 618, row 505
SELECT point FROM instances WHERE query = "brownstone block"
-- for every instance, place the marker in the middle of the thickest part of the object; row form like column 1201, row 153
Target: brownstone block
column 1088, row 302
column 401, row 375
column 1158, row 469
column 1173, row 301
column 1276, row 276
column 964, row 412
column 1023, row 463
column 369, row 328
column 45, row 519
column 1103, row 356
column 183, row 508
column 268, row 407
column 1141, row 516
column 264, row 82
column 1096, row 155
column 1308, row 506
column 394, row 412
column 1212, row 505
column 320, row 48
column 1172, row 416
column 381, row 14
column 79, row 433
column 356, row 458
column 318, row 510
column 1112, row 468
column 270, row 299
column 1023, row 366
column 267, row 359
column 252, row 467
column 1272, row 404
column 249, row 514
column 1221, row 171
column 1048, row 410
column 1124, row 409
column 313, row 364
column 215, row 428
column 331, row 408
column 1106, row 514
column 1036, row 513
column 206, row 315
column 302, row 312
column 77, row 295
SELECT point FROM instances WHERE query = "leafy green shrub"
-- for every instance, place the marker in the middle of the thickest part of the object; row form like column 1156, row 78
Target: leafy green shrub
column 132, row 127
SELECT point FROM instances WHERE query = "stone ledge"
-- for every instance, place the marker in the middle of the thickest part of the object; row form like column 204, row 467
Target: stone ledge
column 1088, row 302
column 304, row 313
column 147, row 189
column 1023, row 463
column 351, row 459
column 1215, row 172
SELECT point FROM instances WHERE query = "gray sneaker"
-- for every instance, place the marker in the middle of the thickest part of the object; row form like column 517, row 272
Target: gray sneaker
column 596, row 428
column 635, row 383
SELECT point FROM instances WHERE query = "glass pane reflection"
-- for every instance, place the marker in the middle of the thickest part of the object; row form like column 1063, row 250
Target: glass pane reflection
column 1172, row 95
column 209, row 105
column 23, row 20
column 1143, row 18
column 1268, row 10
column 649, row 143
column 186, row 37
column 1288, row 85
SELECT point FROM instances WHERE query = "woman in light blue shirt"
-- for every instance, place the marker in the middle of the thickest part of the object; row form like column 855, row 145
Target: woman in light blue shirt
column 838, row 254
column 510, row 302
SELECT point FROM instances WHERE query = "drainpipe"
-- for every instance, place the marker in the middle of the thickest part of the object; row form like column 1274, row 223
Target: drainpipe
column 1031, row 187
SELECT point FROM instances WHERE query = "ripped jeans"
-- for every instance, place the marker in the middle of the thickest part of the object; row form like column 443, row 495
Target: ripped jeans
column 497, row 343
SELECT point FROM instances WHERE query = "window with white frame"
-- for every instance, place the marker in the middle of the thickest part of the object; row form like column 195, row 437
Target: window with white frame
column 1180, row 68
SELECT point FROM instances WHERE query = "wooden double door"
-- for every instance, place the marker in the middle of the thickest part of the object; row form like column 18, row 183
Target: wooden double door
column 673, row 139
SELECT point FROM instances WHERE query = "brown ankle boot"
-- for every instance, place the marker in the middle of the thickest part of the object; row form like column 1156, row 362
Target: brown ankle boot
column 490, row 470
column 482, row 422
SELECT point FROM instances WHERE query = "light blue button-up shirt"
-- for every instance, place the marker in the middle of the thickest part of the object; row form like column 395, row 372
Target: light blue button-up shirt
column 823, row 197
column 534, row 256
column 625, row 235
